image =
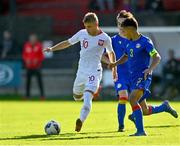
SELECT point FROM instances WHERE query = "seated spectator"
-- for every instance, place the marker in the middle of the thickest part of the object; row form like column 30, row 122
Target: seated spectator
column 171, row 78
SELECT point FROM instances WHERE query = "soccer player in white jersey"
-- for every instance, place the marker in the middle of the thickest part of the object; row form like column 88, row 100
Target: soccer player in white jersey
column 93, row 41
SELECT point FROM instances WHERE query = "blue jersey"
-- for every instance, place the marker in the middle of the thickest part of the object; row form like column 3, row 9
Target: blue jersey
column 139, row 53
column 119, row 45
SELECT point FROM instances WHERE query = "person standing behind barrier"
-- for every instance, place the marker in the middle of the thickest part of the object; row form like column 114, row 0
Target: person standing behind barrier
column 33, row 58
column 8, row 47
column 171, row 78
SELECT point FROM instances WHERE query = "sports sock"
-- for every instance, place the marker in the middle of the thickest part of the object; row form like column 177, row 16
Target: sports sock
column 86, row 108
column 138, row 118
column 156, row 109
column 121, row 114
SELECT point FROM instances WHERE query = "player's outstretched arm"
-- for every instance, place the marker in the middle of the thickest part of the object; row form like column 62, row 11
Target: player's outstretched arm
column 121, row 60
column 60, row 46
column 112, row 58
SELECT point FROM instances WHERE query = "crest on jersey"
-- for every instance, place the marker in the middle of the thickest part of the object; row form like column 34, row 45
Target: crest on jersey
column 120, row 42
column 100, row 42
column 119, row 86
column 138, row 45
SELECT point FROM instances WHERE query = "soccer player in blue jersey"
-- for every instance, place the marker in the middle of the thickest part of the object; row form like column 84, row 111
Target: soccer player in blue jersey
column 138, row 52
column 122, row 84
column 122, row 87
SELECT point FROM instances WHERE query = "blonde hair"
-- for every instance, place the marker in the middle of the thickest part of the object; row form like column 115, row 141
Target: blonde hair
column 90, row 17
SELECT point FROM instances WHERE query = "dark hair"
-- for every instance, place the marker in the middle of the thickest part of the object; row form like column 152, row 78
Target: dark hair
column 90, row 17
column 124, row 14
column 130, row 22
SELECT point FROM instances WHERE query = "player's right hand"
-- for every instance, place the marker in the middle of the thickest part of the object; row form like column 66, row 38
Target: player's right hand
column 147, row 72
column 115, row 75
column 47, row 50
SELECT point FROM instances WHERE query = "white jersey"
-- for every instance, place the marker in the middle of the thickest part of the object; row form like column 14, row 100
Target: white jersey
column 92, row 48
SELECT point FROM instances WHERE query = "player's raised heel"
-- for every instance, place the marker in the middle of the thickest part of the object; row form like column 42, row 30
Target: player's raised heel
column 78, row 125
column 139, row 134
column 170, row 110
column 131, row 118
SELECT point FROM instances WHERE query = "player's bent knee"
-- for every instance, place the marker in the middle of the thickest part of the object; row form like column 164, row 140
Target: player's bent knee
column 145, row 111
column 77, row 97
column 123, row 101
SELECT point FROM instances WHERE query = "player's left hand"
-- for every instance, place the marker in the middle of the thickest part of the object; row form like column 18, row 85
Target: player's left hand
column 147, row 72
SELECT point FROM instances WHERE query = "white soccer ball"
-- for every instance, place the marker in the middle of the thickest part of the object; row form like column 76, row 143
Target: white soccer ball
column 52, row 128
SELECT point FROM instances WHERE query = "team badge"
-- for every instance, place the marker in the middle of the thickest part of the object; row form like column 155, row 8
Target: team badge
column 138, row 45
column 101, row 42
column 119, row 86
column 120, row 42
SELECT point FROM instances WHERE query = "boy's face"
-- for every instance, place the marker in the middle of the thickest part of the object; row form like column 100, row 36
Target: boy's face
column 91, row 27
column 126, row 31
column 119, row 21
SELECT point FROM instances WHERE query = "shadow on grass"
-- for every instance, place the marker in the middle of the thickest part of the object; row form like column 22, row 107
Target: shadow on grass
column 162, row 126
column 76, row 136
column 26, row 137
column 84, row 137
column 63, row 136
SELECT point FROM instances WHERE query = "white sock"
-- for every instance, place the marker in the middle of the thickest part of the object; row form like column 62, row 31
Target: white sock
column 86, row 106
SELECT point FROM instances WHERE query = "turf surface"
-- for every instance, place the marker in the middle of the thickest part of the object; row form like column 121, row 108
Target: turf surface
column 22, row 123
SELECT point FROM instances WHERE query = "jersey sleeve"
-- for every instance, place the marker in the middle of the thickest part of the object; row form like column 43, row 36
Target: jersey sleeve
column 109, row 45
column 150, row 47
column 75, row 38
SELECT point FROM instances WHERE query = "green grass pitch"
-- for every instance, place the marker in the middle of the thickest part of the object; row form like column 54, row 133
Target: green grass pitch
column 22, row 123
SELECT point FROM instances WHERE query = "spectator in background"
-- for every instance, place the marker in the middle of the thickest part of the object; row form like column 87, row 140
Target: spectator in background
column 103, row 3
column 33, row 57
column 171, row 78
column 8, row 46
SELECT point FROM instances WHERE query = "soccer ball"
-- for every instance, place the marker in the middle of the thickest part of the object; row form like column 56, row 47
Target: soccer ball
column 52, row 128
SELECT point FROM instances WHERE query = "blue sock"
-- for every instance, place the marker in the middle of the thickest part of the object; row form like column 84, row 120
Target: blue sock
column 121, row 114
column 139, row 118
column 157, row 109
